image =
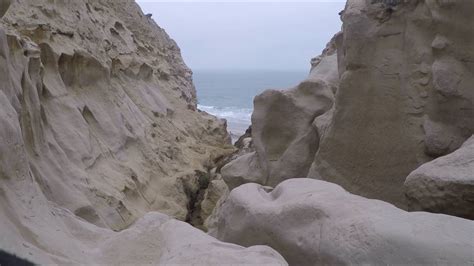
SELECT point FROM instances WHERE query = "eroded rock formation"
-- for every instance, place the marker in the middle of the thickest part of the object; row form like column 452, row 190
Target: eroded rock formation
column 313, row 222
column 395, row 91
column 102, row 111
column 392, row 91
column 286, row 141
column 405, row 94
column 100, row 130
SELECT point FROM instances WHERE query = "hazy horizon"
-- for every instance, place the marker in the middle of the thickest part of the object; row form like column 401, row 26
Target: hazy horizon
column 246, row 36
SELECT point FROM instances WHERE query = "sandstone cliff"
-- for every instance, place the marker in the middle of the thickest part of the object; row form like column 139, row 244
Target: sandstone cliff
column 105, row 111
column 99, row 126
column 392, row 91
column 405, row 95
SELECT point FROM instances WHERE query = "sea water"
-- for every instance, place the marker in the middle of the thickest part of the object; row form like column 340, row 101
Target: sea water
column 229, row 94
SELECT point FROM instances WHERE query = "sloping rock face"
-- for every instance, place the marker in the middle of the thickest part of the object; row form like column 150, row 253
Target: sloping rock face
column 445, row 185
column 312, row 222
column 405, row 94
column 98, row 127
column 100, row 111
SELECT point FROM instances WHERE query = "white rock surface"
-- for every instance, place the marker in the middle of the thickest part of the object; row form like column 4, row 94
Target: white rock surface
column 444, row 185
column 312, row 222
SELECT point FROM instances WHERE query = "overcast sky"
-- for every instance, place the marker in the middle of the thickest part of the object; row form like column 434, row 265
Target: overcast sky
column 248, row 35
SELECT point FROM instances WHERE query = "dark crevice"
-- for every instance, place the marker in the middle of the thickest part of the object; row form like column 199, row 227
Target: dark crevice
column 195, row 199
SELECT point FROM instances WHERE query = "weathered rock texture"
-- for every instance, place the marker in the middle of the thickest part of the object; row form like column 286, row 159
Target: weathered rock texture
column 154, row 239
column 403, row 96
column 312, row 222
column 100, row 111
column 244, row 169
column 159, row 240
column 98, row 127
column 391, row 92
column 445, row 185
column 283, row 135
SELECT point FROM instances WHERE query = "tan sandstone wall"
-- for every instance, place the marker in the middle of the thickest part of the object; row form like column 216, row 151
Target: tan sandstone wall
column 405, row 95
column 98, row 115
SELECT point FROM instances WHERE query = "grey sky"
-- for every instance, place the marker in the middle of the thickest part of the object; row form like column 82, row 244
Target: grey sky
column 248, row 35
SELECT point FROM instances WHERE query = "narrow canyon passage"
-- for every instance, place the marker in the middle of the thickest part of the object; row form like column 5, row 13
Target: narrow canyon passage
column 122, row 145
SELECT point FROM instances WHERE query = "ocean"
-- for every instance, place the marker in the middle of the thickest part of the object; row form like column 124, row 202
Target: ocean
column 229, row 94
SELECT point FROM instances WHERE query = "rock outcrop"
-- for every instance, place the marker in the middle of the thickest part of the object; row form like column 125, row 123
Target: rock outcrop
column 99, row 110
column 103, row 151
column 403, row 98
column 312, row 222
column 445, row 185
column 392, row 91
column 286, row 142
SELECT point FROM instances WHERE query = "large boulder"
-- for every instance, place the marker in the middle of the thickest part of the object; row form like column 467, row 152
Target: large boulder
column 445, row 185
column 158, row 240
column 312, row 222
column 283, row 134
column 155, row 239
column 244, row 169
